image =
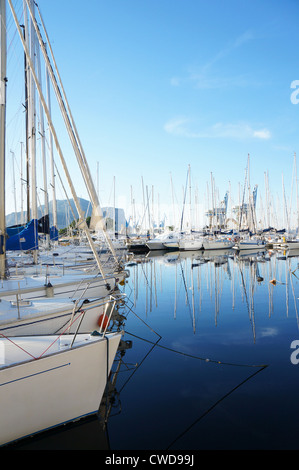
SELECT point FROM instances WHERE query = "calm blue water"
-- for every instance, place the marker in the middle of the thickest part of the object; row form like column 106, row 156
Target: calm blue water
column 210, row 360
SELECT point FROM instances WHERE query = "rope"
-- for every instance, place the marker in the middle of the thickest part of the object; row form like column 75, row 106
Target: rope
column 18, row 346
column 214, row 406
column 56, row 339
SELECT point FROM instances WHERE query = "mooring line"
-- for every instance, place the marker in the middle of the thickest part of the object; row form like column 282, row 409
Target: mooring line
column 214, row 406
column 198, row 357
column 138, row 365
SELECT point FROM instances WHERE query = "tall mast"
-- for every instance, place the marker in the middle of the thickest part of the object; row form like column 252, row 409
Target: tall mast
column 14, row 185
column 213, row 205
column 43, row 147
column 143, row 200
column 174, row 218
column 297, row 200
column 26, row 36
column 3, row 81
column 98, row 181
column 32, row 122
column 152, row 211
column 249, row 207
column 32, row 126
column 53, row 184
column 285, row 206
column 190, row 198
column 114, row 210
column 22, row 182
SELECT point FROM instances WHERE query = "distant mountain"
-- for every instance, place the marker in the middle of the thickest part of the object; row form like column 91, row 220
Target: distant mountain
column 65, row 213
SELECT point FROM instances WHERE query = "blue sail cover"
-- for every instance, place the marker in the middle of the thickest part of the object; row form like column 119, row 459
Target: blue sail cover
column 27, row 239
column 53, row 233
column 14, row 229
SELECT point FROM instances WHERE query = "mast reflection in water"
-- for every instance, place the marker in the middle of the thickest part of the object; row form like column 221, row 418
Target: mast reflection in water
column 222, row 317
column 210, row 363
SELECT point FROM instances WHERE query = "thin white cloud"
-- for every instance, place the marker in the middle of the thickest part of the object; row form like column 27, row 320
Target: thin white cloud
column 203, row 77
column 262, row 134
column 184, row 127
column 202, row 81
column 242, row 39
column 175, row 81
column 177, row 126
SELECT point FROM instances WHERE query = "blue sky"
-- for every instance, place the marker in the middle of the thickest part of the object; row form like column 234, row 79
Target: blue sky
column 156, row 85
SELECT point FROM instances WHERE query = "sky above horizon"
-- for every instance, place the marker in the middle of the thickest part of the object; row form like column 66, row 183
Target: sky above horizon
column 156, row 86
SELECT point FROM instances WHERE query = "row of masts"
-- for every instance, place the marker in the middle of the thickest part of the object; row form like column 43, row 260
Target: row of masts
column 192, row 215
column 31, row 57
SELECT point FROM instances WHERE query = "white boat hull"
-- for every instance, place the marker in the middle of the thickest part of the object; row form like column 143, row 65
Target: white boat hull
column 67, row 385
column 159, row 243
column 190, row 245
column 217, row 244
column 249, row 246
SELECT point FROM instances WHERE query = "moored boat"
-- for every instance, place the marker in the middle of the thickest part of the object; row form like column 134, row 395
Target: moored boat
column 56, row 283
column 48, row 381
column 55, row 316
column 250, row 244
column 161, row 241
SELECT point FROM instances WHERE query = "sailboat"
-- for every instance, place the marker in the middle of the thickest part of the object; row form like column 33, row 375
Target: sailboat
column 290, row 240
column 48, row 379
column 217, row 216
column 247, row 216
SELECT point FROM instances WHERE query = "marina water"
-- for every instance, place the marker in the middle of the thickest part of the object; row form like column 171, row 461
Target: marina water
column 209, row 360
